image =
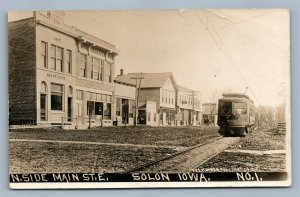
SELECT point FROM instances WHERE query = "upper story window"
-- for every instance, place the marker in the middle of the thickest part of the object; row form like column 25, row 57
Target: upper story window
column 56, row 58
column 110, row 73
column 101, row 70
column 95, row 68
column 166, row 97
column 82, row 65
column 59, row 59
column 69, row 61
column 172, row 98
column 44, row 53
column 52, row 64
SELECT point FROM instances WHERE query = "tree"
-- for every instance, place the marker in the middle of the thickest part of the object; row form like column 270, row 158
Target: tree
column 270, row 116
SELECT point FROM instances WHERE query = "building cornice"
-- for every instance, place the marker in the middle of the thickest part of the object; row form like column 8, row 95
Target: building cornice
column 73, row 32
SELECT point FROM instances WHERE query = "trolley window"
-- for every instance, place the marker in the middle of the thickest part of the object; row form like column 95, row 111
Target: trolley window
column 239, row 107
column 225, row 108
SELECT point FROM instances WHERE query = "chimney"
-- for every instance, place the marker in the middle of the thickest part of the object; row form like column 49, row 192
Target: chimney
column 121, row 71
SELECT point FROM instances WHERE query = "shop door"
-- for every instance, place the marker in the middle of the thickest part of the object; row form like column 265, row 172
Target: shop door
column 69, row 109
column 43, row 107
column 125, row 109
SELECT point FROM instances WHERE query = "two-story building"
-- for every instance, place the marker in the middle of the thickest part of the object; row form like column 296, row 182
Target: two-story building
column 154, row 87
column 124, row 99
column 210, row 113
column 58, row 73
column 189, row 106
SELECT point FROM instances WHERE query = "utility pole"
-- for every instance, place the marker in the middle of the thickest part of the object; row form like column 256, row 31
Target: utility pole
column 246, row 90
column 138, row 79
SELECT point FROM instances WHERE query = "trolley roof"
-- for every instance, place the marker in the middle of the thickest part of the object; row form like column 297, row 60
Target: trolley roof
column 236, row 95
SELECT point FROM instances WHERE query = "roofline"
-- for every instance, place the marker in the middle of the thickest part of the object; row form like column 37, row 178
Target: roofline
column 171, row 76
column 89, row 37
column 124, row 83
column 20, row 20
column 74, row 35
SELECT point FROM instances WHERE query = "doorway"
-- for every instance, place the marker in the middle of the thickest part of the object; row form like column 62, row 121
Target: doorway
column 125, row 110
column 69, row 109
column 43, row 108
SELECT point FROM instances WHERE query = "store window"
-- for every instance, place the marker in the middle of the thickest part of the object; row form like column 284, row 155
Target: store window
column 94, row 108
column 90, row 108
column 118, row 106
column 56, row 97
column 99, row 108
column 131, row 108
column 107, row 112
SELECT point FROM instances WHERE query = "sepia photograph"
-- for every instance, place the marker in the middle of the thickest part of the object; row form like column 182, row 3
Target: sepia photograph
column 149, row 98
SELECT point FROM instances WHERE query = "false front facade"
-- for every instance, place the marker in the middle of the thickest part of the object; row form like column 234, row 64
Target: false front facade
column 156, row 97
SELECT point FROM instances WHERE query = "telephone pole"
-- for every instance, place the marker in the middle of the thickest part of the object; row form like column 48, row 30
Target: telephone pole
column 138, row 80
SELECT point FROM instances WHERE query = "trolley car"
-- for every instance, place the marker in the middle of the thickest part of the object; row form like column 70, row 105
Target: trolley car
column 236, row 114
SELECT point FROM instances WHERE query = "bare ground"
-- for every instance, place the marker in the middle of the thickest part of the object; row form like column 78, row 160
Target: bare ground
column 172, row 136
column 37, row 157
column 258, row 140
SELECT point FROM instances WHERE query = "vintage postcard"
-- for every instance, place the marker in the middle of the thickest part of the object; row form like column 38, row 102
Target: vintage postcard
column 149, row 98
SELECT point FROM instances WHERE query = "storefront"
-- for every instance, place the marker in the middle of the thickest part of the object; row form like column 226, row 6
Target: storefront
column 124, row 102
column 68, row 79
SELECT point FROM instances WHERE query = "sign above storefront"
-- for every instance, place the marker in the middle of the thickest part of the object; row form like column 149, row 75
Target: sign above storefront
column 57, row 76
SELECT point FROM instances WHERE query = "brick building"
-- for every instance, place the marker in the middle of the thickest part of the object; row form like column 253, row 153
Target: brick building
column 158, row 88
column 58, row 73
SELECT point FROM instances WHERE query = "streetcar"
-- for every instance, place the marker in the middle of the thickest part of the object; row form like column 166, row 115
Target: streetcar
column 236, row 114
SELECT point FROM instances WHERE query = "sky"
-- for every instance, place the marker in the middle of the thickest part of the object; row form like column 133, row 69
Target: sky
column 208, row 50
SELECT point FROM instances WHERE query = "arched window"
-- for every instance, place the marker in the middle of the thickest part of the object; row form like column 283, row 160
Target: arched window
column 43, row 87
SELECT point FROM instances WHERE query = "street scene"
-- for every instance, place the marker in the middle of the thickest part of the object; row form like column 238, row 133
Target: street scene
column 182, row 96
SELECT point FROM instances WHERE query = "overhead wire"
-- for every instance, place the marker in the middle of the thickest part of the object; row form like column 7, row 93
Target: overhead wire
column 224, row 52
column 244, row 80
